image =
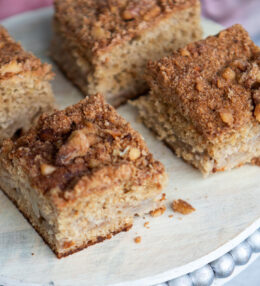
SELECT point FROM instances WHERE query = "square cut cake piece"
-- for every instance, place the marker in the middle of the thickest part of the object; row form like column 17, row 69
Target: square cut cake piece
column 205, row 101
column 25, row 91
column 104, row 46
column 81, row 175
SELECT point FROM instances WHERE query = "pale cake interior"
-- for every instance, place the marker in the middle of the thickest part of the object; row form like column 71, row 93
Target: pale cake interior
column 208, row 156
column 86, row 221
column 23, row 99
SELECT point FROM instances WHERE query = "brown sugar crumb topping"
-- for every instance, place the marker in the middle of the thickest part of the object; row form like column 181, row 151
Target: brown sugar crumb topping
column 158, row 212
column 86, row 143
column 182, row 207
column 138, row 239
column 229, row 64
column 14, row 60
column 99, row 24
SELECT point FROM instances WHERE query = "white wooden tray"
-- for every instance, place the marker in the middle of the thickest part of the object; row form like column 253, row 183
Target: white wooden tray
column 227, row 210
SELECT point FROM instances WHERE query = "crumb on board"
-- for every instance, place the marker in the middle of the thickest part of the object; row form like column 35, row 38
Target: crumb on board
column 182, row 207
column 256, row 161
column 138, row 239
column 146, row 224
column 158, row 212
column 170, row 216
column 163, row 198
column 32, row 253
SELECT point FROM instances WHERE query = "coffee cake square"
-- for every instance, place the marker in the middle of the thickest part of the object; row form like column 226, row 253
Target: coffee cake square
column 81, row 175
column 25, row 91
column 104, row 46
column 205, row 101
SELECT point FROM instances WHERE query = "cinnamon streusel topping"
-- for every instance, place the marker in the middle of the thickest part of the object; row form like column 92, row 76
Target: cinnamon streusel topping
column 214, row 83
column 14, row 60
column 97, row 24
column 87, row 140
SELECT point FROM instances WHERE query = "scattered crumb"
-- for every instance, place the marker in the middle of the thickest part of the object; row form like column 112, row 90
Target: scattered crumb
column 170, row 216
column 138, row 239
column 206, row 196
column 163, row 198
column 158, row 212
column 256, row 161
column 182, row 207
column 32, row 253
column 179, row 218
column 146, row 224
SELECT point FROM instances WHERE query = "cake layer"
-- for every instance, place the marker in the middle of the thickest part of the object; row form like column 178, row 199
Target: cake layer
column 187, row 143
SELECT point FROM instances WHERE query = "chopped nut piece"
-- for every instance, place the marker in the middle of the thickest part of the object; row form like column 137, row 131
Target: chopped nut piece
column 220, row 83
column 47, row 169
column 229, row 74
column 185, row 53
column 128, row 15
column 77, row 145
column 138, row 239
column 152, row 13
column 182, row 207
column 98, row 32
column 227, row 117
column 158, row 212
column 257, row 112
column 134, row 154
column 256, row 96
column 93, row 163
column 199, row 86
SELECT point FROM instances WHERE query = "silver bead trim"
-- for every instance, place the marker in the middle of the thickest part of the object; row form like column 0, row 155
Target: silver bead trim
column 222, row 267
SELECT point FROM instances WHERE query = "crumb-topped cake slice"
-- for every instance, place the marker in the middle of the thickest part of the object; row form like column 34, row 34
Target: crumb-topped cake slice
column 104, row 46
column 204, row 101
column 25, row 91
column 80, row 175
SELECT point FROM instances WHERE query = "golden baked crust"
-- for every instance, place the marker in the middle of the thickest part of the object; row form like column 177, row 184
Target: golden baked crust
column 213, row 83
column 98, row 24
column 72, row 153
column 14, row 60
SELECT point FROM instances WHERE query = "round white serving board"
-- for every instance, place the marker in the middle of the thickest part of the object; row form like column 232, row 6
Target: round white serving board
column 227, row 209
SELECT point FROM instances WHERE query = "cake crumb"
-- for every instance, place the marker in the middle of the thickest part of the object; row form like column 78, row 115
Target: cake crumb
column 138, row 239
column 163, row 198
column 146, row 224
column 32, row 253
column 182, row 207
column 170, row 216
column 256, row 161
column 158, row 212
